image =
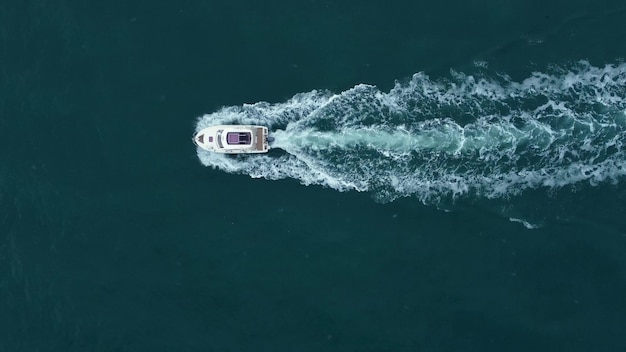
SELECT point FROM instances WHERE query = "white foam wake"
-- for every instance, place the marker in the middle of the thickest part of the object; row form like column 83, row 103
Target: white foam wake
column 483, row 135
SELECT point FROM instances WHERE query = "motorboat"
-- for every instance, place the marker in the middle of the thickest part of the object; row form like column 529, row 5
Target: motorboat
column 233, row 139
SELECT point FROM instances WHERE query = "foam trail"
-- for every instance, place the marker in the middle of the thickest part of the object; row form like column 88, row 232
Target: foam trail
column 450, row 139
column 481, row 135
column 526, row 224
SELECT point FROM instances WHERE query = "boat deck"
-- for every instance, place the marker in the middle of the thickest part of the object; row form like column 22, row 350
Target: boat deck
column 260, row 139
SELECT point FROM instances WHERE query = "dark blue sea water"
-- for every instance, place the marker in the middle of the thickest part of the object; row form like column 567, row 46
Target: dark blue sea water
column 445, row 176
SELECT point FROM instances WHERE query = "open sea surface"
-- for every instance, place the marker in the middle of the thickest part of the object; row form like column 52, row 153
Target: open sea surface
column 445, row 176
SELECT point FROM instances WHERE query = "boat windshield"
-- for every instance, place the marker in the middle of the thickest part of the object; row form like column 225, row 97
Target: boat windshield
column 219, row 139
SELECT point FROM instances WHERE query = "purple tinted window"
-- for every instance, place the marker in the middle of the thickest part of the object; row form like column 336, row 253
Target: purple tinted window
column 239, row 138
column 233, row 138
column 210, row 139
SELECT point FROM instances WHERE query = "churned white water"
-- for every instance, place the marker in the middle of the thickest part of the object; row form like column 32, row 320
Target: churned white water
column 467, row 135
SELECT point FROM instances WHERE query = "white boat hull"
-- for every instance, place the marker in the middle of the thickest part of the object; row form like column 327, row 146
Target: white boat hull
column 233, row 139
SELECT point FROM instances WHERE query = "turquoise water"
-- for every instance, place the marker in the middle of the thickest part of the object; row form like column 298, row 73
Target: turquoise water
column 444, row 176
